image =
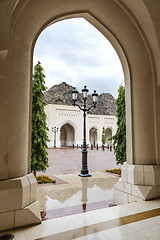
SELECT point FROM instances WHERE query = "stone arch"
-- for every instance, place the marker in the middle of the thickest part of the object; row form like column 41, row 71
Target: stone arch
column 74, row 127
column 70, row 123
column 124, row 24
column 93, row 135
column 108, row 135
column 67, row 135
column 114, row 30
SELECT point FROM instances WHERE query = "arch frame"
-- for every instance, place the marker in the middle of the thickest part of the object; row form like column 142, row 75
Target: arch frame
column 94, row 126
column 97, row 134
column 116, row 44
column 65, row 140
column 76, row 130
column 124, row 26
column 87, row 11
column 70, row 123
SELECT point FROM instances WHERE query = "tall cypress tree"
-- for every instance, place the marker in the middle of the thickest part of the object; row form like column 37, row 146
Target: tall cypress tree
column 103, row 136
column 39, row 158
column 120, row 136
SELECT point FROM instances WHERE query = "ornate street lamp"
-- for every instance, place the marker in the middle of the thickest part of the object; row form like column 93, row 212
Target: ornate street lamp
column 84, row 170
column 94, row 130
column 55, row 130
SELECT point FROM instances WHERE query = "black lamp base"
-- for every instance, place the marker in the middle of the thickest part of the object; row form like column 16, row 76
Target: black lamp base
column 84, row 175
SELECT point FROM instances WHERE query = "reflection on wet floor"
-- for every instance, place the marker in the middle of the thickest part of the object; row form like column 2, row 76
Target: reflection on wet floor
column 76, row 195
column 80, row 196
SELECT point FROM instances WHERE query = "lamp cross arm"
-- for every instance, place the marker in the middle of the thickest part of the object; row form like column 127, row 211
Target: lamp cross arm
column 93, row 106
column 75, row 104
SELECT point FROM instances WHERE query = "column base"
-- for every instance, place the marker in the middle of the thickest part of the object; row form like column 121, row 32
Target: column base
column 18, row 205
column 137, row 183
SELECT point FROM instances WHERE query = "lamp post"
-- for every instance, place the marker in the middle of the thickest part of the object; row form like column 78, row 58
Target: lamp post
column 94, row 130
column 84, row 170
column 55, row 130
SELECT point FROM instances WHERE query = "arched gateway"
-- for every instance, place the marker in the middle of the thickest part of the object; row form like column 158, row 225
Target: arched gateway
column 133, row 30
column 67, row 135
column 93, row 136
column 108, row 135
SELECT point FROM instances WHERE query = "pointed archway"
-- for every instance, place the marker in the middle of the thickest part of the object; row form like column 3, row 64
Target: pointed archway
column 108, row 135
column 93, row 136
column 124, row 24
column 67, row 135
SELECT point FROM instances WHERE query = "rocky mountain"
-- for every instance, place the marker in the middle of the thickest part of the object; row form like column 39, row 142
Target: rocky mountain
column 62, row 95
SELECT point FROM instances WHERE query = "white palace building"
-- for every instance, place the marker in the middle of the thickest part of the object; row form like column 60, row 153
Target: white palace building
column 69, row 121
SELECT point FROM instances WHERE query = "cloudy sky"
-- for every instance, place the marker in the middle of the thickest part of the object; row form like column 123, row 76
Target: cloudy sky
column 75, row 52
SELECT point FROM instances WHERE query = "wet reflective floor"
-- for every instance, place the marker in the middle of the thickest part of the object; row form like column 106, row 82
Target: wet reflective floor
column 73, row 194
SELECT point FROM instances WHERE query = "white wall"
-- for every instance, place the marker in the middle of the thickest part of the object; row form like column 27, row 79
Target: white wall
column 58, row 115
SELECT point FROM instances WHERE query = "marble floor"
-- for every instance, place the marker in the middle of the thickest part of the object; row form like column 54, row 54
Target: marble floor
column 132, row 221
column 78, row 208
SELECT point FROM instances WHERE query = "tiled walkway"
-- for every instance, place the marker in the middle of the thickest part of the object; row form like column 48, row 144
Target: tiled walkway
column 135, row 221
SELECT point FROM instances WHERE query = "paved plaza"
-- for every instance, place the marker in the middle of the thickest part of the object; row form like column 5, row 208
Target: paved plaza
column 69, row 160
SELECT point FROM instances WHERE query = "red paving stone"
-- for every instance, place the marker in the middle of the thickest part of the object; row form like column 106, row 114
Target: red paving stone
column 69, row 160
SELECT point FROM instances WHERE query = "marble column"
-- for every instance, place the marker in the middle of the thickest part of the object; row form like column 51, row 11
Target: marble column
column 18, row 187
column 140, row 178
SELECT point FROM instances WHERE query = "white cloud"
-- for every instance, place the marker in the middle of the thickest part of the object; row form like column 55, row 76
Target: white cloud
column 73, row 51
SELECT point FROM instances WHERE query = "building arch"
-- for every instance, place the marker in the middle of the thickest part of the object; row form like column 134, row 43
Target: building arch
column 33, row 35
column 108, row 133
column 94, row 126
column 74, row 132
column 93, row 136
column 113, row 30
column 124, row 25
column 67, row 135
column 70, row 123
